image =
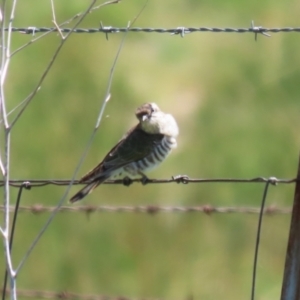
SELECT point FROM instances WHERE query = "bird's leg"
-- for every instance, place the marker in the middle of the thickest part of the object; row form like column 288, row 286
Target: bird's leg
column 144, row 179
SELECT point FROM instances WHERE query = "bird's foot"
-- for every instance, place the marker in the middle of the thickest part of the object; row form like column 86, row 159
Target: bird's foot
column 144, row 178
column 127, row 181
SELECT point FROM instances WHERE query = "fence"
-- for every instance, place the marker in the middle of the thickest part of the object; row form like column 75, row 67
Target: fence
column 289, row 289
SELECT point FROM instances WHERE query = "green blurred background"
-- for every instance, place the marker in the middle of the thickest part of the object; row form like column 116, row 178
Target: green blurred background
column 237, row 105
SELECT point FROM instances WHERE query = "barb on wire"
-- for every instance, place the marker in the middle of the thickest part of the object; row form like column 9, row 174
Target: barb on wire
column 174, row 179
column 257, row 30
column 181, row 31
column 178, row 30
column 154, row 209
column 105, row 29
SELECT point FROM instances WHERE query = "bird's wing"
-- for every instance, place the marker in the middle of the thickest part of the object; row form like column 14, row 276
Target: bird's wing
column 135, row 145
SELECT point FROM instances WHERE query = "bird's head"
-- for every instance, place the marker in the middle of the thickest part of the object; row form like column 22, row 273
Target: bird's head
column 154, row 121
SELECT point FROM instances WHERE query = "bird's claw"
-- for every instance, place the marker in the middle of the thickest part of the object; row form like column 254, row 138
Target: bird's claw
column 127, row 181
column 145, row 180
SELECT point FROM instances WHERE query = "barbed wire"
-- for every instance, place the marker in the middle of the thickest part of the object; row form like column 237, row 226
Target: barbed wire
column 153, row 209
column 28, row 183
column 70, row 296
column 176, row 31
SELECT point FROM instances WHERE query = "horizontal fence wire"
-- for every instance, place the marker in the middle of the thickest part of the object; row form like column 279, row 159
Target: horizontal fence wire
column 153, row 209
column 28, row 183
column 70, row 296
column 176, row 31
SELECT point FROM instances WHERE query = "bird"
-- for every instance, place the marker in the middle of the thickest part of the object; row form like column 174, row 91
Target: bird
column 141, row 149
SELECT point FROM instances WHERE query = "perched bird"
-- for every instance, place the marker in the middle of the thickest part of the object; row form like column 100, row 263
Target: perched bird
column 144, row 147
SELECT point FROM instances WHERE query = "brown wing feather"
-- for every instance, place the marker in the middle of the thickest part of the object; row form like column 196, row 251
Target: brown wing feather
column 135, row 145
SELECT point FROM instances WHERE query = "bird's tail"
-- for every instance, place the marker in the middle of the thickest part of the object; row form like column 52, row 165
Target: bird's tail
column 87, row 189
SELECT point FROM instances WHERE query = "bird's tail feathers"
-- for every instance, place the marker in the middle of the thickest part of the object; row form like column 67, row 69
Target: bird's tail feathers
column 87, row 190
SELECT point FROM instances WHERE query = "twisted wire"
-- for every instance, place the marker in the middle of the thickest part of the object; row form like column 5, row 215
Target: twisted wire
column 28, row 183
column 176, row 31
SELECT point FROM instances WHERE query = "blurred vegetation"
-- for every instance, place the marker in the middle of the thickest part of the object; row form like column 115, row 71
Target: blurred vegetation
column 237, row 105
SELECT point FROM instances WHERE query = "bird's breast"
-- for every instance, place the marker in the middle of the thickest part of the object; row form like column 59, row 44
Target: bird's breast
column 159, row 152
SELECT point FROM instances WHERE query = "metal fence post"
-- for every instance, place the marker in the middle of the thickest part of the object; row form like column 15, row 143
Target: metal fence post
column 291, row 281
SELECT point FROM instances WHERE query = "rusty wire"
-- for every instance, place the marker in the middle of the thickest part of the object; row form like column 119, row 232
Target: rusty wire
column 153, row 209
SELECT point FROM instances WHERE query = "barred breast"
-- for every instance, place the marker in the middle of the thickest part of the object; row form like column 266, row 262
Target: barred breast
column 159, row 153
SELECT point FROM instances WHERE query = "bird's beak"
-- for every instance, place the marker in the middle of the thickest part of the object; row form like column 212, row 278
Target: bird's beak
column 144, row 118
